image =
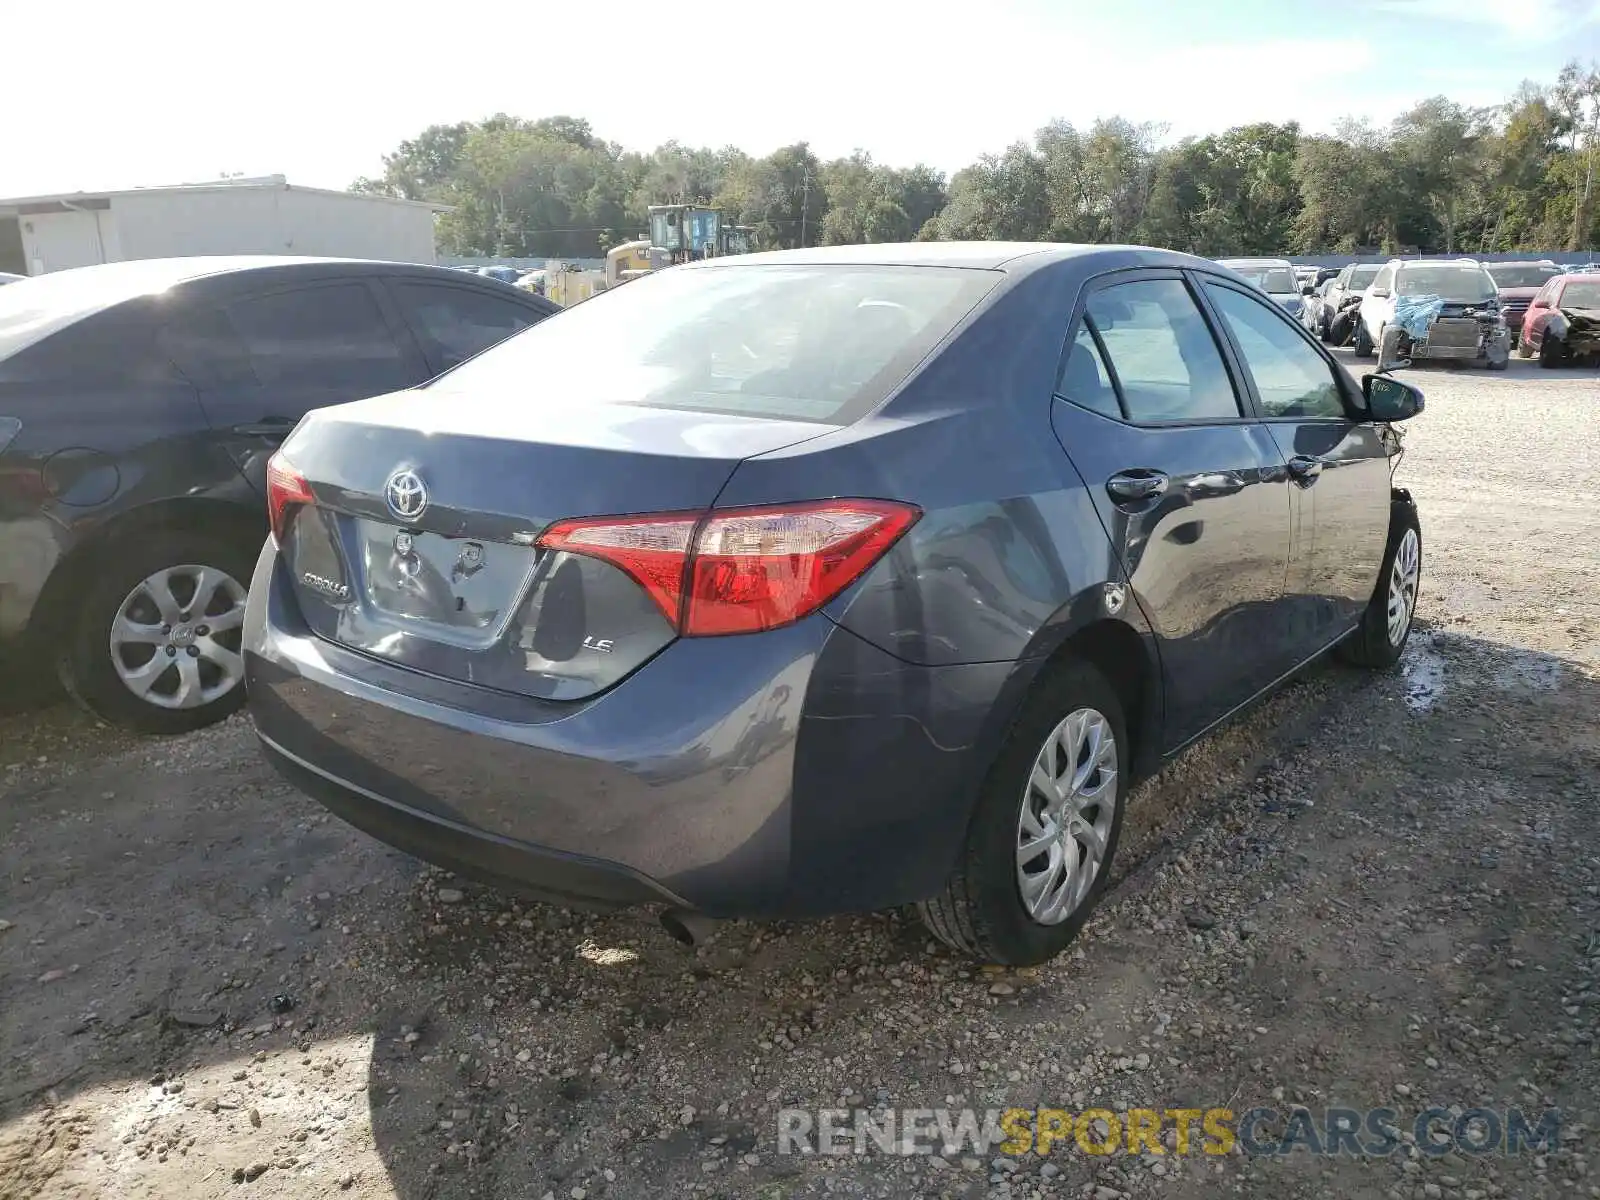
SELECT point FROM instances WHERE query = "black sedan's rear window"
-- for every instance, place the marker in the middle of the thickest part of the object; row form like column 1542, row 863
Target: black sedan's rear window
column 795, row 342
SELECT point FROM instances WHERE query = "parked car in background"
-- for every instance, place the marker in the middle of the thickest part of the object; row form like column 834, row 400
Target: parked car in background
column 1518, row 283
column 6, row 277
column 773, row 596
column 1461, row 322
column 1274, row 276
column 1348, row 284
column 1562, row 325
column 1311, row 307
column 139, row 403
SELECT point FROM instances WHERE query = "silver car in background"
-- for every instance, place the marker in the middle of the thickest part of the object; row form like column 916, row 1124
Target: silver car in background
column 1274, row 276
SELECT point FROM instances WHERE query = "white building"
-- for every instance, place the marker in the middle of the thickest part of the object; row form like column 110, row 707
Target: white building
column 235, row 216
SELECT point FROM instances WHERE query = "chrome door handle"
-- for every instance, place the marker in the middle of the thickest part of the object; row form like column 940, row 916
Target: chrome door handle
column 1136, row 485
column 1306, row 469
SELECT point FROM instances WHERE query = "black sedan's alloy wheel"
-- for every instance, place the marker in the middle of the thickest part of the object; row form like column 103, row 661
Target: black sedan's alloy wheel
column 1386, row 625
column 156, row 643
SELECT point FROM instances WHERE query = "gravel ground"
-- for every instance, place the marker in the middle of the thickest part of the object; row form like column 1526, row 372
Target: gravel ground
column 1372, row 891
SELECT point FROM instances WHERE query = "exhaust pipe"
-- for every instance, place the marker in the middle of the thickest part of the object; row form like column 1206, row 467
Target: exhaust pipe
column 690, row 928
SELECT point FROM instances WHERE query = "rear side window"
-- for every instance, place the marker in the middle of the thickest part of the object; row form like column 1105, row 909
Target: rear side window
column 812, row 342
column 321, row 337
column 1162, row 351
column 457, row 323
column 1085, row 380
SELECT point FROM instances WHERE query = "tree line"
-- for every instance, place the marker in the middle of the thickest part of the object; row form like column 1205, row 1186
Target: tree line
column 1440, row 178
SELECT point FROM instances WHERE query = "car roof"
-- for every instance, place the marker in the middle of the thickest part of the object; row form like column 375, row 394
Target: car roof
column 1008, row 256
column 38, row 307
column 1257, row 262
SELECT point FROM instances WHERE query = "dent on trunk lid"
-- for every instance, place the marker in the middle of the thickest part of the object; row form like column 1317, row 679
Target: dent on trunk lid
column 458, row 590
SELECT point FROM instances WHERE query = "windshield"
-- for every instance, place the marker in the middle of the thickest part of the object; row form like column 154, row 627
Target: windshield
column 1454, row 282
column 1361, row 278
column 810, row 343
column 1522, row 275
column 32, row 309
column 1267, row 277
column 1581, row 295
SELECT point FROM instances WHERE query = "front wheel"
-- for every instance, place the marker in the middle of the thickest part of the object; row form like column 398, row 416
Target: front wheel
column 1363, row 341
column 156, row 643
column 1039, row 848
column 1550, row 355
column 1386, row 624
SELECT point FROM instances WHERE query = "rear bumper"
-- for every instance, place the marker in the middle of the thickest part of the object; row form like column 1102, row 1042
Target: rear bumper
column 531, row 870
column 796, row 772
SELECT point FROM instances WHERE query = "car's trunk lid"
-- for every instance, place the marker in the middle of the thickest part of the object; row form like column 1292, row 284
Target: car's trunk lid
column 420, row 545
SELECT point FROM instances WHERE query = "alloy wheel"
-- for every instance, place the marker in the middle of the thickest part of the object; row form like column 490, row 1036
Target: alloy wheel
column 176, row 637
column 1066, row 818
column 1403, row 576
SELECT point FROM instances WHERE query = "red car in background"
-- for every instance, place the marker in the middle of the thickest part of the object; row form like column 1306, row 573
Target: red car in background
column 1563, row 322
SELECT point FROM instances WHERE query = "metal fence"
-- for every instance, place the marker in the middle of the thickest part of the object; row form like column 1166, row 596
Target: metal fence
column 1562, row 257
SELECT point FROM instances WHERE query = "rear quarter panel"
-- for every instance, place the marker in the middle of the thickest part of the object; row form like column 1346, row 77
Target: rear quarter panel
column 108, row 428
column 1008, row 538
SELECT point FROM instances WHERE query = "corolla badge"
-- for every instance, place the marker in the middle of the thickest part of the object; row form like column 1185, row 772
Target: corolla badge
column 331, row 588
column 405, row 494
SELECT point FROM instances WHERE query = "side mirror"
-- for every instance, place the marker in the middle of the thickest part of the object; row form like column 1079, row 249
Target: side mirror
column 1381, row 293
column 1388, row 399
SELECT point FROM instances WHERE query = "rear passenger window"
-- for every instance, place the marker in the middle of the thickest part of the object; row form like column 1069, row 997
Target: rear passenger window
column 457, row 323
column 1085, row 380
column 321, row 337
column 1163, row 353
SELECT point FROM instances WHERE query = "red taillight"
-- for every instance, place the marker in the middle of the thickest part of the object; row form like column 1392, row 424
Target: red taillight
column 741, row 570
column 286, row 490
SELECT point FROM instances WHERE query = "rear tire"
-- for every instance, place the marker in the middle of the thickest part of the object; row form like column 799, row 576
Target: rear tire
column 1550, row 355
column 981, row 911
column 1379, row 640
column 135, row 602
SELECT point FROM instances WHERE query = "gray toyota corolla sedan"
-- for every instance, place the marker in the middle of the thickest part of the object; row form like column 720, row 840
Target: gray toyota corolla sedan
column 828, row 580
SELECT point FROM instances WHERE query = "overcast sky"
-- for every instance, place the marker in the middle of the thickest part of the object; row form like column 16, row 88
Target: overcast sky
column 97, row 94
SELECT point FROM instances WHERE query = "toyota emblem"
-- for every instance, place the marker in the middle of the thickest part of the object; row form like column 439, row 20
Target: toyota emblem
column 405, row 494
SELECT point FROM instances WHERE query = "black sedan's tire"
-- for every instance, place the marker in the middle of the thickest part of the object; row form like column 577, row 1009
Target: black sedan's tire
column 1057, row 789
column 1386, row 625
column 155, row 643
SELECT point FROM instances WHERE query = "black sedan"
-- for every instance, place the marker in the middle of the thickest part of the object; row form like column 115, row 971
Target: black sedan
column 139, row 403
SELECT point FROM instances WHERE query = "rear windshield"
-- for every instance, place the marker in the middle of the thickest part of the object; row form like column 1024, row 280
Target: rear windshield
column 1267, row 276
column 1523, row 275
column 803, row 342
column 35, row 308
